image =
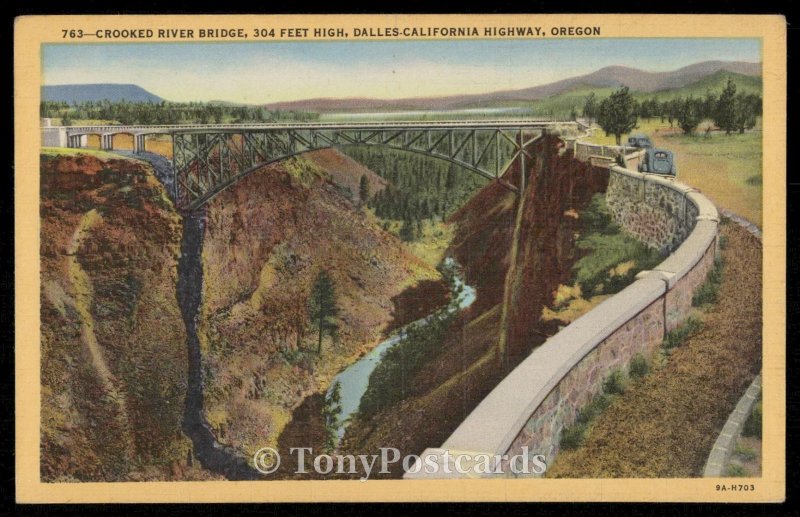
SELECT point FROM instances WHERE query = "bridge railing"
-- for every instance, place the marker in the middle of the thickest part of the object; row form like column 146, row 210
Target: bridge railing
column 530, row 408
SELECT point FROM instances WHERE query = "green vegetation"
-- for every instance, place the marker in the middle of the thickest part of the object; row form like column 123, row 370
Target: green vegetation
column 752, row 426
column 387, row 384
column 708, row 292
column 332, row 411
column 304, row 170
column 736, row 471
column 322, row 309
column 615, row 383
column 650, row 104
column 420, row 187
column 125, row 112
column 609, row 261
column 612, row 259
column 64, row 151
column 590, row 106
column 676, row 337
column 572, row 436
column 617, row 114
column 745, row 452
column 593, row 409
column 418, row 342
column 689, row 113
column 730, row 111
column 726, row 168
column 363, row 189
column 638, row 367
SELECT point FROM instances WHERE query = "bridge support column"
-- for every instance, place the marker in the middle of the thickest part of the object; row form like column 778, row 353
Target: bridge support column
column 138, row 144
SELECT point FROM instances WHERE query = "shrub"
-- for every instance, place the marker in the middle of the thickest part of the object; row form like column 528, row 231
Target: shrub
column 735, row 470
column 603, row 247
column 708, row 292
column 598, row 404
column 752, row 426
column 746, row 453
column 638, row 367
column 572, row 436
column 615, row 383
column 679, row 335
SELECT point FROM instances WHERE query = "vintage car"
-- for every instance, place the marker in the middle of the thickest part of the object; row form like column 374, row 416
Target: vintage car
column 658, row 161
column 639, row 140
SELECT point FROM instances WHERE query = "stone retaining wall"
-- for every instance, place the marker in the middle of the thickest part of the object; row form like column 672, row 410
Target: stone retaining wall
column 530, row 408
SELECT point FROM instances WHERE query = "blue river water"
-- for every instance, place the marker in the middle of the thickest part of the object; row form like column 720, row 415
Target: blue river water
column 354, row 380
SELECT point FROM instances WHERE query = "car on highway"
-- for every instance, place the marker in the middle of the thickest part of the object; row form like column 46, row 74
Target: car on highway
column 658, row 161
column 639, row 140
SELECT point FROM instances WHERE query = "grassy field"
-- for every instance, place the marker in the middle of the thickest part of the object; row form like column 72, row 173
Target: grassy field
column 726, row 168
column 84, row 122
column 610, row 261
column 67, row 151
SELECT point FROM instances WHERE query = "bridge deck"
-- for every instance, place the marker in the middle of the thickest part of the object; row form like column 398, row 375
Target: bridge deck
column 445, row 124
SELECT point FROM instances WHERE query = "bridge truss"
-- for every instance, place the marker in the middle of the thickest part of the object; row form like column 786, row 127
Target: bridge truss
column 207, row 161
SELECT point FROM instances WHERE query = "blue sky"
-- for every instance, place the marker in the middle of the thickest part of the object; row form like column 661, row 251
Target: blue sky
column 266, row 72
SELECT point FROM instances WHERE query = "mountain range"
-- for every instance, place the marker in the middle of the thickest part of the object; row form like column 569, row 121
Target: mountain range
column 610, row 76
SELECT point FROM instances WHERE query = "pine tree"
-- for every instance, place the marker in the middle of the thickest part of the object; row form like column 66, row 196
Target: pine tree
column 332, row 411
column 407, row 231
column 689, row 114
column 725, row 112
column 747, row 110
column 590, row 107
column 617, row 114
column 322, row 309
column 363, row 189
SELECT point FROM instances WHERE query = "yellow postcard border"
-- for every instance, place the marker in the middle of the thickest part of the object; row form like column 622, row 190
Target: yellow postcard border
column 32, row 31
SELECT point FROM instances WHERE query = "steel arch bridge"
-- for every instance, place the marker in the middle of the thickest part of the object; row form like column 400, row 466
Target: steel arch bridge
column 207, row 159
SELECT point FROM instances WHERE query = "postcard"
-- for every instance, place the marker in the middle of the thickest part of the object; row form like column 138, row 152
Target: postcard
column 400, row 258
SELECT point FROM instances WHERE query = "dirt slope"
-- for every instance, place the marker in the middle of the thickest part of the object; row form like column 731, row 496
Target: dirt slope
column 345, row 172
column 113, row 354
column 666, row 425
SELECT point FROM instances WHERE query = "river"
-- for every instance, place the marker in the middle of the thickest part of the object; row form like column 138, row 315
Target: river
column 354, row 380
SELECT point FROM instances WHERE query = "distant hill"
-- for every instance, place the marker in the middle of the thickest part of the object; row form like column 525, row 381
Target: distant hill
column 608, row 77
column 715, row 83
column 70, row 93
column 562, row 103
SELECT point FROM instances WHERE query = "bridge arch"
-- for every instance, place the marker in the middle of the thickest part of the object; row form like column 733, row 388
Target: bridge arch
column 206, row 163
